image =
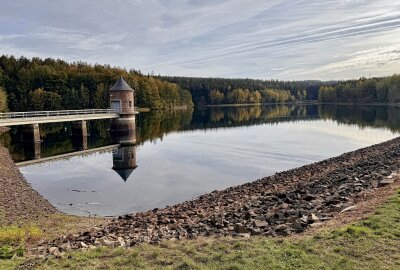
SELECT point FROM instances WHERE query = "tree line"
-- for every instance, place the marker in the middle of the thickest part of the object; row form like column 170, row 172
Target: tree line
column 224, row 90
column 50, row 84
column 220, row 90
column 384, row 90
column 245, row 96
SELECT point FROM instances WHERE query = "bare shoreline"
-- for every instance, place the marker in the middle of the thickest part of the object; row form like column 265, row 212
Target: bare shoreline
column 18, row 201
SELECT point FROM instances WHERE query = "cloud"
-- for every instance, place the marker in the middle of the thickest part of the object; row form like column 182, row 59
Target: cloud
column 284, row 39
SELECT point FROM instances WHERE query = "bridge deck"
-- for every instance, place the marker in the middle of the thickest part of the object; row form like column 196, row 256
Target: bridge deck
column 40, row 117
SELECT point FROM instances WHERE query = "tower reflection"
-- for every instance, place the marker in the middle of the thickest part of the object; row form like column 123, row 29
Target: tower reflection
column 124, row 157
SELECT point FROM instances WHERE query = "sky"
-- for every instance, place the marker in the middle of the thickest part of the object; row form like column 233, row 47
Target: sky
column 263, row 39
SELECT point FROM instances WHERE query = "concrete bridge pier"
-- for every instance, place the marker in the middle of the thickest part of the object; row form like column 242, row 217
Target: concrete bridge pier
column 31, row 133
column 79, row 128
column 31, row 140
column 37, row 150
column 80, row 134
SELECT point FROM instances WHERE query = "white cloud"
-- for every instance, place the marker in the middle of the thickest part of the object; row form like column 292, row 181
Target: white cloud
column 282, row 39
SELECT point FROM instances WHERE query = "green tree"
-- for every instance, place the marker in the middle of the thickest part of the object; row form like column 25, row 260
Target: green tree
column 84, row 97
column 102, row 96
column 38, row 99
column 52, row 101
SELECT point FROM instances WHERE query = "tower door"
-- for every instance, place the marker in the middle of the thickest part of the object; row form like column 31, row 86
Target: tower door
column 116, row 105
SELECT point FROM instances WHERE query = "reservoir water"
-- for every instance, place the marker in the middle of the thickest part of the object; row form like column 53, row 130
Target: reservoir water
column 183, row 154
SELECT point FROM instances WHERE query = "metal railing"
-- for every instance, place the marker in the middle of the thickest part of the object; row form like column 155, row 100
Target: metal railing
column 41, row 114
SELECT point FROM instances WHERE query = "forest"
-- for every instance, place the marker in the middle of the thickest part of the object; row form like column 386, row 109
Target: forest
column 382, row 90
column 49, row 84
column 238, row 91
column 228, row 91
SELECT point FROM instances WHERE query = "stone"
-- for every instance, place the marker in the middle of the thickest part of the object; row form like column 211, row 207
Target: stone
column 55, row 251
column 244, row 235
column 65, row 246
column 83, row 245
column 312, row 218
column 239, row 228
column 304, row 219
column 281, row 227
column 260, row 223
column 107, row 243
column 348, row 209
column 386, row 182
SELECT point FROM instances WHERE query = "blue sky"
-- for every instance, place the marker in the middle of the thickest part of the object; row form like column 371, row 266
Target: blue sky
column 267, row 39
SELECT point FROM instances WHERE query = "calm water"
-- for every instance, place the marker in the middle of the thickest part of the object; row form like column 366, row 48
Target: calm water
column 182, row 155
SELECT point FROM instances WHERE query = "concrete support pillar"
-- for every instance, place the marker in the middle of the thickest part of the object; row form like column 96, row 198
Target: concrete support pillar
column 80, row 134
column 31, row 141
column 31, row 133
column 79, row 128
column 84, row 142
column 36, row 133
column 37, row 150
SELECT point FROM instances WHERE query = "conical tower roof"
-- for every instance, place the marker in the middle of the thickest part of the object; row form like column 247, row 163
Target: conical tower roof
column 121, row 85
column 124, row 173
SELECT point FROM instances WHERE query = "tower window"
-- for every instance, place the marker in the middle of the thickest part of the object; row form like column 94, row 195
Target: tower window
column 130, row 104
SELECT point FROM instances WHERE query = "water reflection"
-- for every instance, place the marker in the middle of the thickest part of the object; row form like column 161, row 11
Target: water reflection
column 173, row 156
column 59, row 138
column 124, row 161
column 124, row 157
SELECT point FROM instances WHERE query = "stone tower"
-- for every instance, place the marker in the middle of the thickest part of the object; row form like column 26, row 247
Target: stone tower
column 122, row 101
column 122, row 98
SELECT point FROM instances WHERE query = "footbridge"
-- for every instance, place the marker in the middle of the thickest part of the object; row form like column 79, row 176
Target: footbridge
column 42, row 117
column 31, row 120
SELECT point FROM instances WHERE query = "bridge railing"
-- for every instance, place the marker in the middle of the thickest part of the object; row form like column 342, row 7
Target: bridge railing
column 22, row 115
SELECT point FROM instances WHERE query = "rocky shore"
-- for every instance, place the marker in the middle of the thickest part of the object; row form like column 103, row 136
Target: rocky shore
column 18, row 201
column 283, row 204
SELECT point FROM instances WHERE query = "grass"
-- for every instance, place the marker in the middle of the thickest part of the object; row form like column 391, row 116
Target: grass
column 369, row 244
column 14, row 235
column 14, row 238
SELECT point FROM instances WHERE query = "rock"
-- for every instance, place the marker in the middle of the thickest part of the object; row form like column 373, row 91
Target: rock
column 297, row 226
column 65, row 246
column 312, row 218
column 281, row 227
column 244, row 235
column 348, row 209
column 374, row 183
column 83, row 245
column 386, row 182
column 260, row 223
column 55, row 251
column 239, row 228
column 304, row 219
column 315, row 225
column 107, row 243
